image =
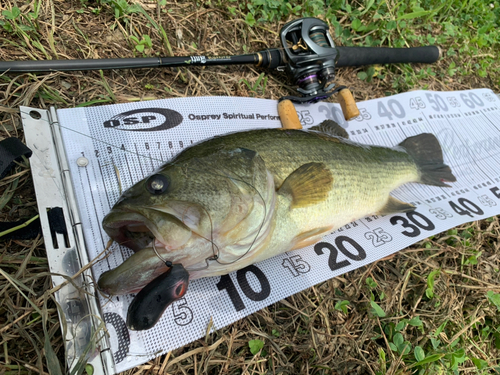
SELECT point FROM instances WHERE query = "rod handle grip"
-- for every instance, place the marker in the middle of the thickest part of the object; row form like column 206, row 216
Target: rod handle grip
column 348, row 104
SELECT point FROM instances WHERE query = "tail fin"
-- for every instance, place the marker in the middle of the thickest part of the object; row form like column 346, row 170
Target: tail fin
column 426, row 151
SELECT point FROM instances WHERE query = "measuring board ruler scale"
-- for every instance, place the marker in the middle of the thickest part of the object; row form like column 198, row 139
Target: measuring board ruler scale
column 82, row 157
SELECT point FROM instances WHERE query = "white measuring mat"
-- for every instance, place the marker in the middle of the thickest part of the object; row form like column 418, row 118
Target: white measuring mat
column 135, row 139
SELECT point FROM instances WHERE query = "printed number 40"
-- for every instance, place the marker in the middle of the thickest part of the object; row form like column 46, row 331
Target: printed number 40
column 466, row 207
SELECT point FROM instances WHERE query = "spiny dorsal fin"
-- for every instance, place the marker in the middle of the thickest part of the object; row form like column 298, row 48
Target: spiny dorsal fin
column 307, row 185
column 330, row 127
column 394, row 205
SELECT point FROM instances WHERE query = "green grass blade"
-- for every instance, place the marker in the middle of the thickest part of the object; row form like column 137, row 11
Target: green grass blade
column 8, row 193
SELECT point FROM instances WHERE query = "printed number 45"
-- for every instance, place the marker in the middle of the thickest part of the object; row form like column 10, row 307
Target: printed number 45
column 417, row 103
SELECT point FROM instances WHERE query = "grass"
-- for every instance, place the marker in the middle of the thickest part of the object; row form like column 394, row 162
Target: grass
column 432, row 309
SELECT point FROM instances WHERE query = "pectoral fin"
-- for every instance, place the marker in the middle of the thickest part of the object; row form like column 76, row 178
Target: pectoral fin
column 307, row 185
column 394, row 205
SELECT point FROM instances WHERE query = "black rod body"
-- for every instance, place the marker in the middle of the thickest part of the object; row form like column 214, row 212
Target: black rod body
column 125, row 63
column 270, row 58
column 356, row 56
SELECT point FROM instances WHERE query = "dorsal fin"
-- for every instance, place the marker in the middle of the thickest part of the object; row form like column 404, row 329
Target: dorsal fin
column 307, row 185
column 330, row 127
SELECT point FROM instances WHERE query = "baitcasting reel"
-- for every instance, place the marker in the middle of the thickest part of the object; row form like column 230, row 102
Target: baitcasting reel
column 310, row 57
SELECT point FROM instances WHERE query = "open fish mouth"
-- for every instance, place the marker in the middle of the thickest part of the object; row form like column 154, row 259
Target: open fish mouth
column 141, row 234
column 130, row 229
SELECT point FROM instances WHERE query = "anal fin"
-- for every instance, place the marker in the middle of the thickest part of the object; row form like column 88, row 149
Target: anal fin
column 394, row 205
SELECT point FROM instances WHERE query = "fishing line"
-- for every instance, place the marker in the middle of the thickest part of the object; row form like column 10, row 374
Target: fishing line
column 56, row 123
column 167, row 262
column 216, row 257
column 215, row 247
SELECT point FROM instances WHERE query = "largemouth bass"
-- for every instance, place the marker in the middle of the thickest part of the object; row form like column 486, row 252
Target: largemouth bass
column 238, row 199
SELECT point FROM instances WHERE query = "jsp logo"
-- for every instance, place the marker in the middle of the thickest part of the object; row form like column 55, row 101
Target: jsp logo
column 198, row 59
column 147, row 119
column 128, row 121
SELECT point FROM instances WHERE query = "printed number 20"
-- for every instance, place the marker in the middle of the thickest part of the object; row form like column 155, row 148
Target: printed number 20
column 339, row 241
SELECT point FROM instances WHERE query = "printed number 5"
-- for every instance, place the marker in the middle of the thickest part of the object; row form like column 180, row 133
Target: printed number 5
column 183, row 315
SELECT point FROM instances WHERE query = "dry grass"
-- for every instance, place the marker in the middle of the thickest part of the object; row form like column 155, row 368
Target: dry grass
column 304, row 334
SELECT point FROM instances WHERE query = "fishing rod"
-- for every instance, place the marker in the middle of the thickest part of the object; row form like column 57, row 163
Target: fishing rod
column 308, row 55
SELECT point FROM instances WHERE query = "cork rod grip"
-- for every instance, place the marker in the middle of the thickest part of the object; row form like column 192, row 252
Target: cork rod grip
column 349, row 107
column 288, row 115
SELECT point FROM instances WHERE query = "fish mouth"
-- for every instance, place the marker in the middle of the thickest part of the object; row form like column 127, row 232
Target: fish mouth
column 129, row 229
column 134, row 230
column 157, row 239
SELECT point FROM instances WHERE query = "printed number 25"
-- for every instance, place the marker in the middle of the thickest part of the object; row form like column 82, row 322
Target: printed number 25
column 305, row 118
column 378, row 237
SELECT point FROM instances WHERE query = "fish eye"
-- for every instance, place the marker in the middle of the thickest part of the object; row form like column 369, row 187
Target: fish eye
column 157, row 184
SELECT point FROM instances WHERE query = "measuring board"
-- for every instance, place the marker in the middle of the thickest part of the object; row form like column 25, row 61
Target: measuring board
column 108, row 146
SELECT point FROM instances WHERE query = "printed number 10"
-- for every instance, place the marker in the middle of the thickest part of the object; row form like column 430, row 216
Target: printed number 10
column 226, row 283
